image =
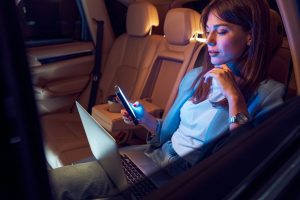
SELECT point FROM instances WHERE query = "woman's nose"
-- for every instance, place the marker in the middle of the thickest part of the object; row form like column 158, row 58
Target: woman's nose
column 210, row 40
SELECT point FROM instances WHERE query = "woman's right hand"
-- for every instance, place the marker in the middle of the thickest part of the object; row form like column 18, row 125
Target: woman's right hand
column 139, row 111
column 127, row 119
column 144, row 118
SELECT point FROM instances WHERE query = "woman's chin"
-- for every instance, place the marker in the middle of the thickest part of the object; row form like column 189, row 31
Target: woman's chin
column 218, row 62
column 214, row 62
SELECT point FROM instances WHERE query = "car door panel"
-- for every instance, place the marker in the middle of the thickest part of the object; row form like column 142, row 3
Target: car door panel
column 60, row 73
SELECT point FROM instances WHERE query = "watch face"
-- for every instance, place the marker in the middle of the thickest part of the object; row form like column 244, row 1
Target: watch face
column 241, row 118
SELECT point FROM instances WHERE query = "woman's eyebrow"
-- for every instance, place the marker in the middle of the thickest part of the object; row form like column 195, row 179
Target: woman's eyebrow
column 215, row 26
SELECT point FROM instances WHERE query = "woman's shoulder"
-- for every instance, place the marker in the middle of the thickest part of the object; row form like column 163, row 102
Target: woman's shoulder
column 270, row 89
column 189, row 78
column 269, row 95
column 195, row 71
column 270, row 85
column 192, row 75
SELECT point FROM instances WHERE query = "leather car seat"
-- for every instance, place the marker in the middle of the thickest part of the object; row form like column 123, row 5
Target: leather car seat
column 131, row 54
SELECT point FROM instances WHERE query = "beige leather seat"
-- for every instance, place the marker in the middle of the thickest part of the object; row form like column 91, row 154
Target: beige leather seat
column 132, row 53
column 129, row 58
column 278, row 68
column 175, row 56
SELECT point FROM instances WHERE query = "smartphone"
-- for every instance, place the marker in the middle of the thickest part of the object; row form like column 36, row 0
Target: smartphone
column 126, row 104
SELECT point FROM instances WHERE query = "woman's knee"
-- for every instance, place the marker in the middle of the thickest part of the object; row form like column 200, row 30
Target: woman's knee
column 85, row 180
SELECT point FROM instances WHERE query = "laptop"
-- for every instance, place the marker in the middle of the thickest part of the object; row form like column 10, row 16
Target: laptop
column 124, row 165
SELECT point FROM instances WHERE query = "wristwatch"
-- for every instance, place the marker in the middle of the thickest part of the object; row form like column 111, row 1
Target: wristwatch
column 239, row 118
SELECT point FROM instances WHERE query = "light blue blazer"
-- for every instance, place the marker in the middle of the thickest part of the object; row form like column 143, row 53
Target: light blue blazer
column 268, row 95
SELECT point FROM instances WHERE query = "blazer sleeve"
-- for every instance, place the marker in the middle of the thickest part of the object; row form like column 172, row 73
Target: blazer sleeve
column 166, row 127
column 269, row 95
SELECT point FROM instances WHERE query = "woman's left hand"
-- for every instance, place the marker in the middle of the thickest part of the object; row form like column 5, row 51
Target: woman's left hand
column 225, row 79
column 228, row 85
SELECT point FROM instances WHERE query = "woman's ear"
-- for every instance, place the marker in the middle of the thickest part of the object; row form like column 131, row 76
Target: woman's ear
column 249, row 38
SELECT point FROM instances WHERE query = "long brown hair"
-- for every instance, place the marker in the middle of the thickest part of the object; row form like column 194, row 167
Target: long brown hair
column 254, row 17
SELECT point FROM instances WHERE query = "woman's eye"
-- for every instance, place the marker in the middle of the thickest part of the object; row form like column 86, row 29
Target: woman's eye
column 222, row 32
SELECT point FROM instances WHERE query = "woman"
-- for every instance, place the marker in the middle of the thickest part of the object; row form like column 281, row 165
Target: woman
column 231, row 89
column 225, row 93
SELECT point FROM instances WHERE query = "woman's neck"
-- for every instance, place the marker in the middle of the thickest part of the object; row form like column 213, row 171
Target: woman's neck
column 234, row 68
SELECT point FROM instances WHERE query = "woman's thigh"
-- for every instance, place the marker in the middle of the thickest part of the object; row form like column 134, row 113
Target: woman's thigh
column 167, row 158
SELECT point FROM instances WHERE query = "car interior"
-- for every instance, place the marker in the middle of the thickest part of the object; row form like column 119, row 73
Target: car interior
column 146, row 48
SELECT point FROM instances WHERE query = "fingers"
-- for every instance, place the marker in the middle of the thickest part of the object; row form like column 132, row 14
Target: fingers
column 223, row 66
column 138, row 111
column 213, row 73
column 136, row 104
column 127, row 119
column 220, row 71
column 125, row 114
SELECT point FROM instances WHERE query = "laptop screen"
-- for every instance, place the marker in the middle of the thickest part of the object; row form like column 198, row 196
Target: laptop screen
column 104, row 148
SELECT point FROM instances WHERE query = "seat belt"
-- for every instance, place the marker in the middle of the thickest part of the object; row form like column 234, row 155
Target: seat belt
column 96, row 73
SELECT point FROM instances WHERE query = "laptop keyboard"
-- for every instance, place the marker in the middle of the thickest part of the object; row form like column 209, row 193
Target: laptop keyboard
column 140, row 185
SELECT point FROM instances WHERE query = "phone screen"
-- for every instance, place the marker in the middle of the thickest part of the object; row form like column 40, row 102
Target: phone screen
column 126, row 104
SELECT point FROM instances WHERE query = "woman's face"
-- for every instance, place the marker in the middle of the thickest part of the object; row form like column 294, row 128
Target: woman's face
column 226, row 42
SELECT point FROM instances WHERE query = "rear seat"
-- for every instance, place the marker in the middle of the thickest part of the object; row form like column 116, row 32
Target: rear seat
column 281, row 55
column 129, row 58
column 132, row 53
column 175, row 56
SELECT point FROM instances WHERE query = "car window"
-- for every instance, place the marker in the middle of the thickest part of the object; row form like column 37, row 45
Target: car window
column 49, row 22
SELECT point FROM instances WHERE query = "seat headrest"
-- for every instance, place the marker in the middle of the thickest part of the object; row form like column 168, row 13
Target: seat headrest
column 180, row 25
column 276, row 31
column 141, row 16
column 278, row 68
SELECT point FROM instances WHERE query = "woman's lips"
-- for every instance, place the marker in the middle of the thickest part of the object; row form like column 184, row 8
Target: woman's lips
column 213, row 53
